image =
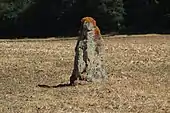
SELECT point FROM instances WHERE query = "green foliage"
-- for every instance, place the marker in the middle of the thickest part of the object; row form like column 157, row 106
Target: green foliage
column 62, row 16
column 12, row 8
column 111, row 13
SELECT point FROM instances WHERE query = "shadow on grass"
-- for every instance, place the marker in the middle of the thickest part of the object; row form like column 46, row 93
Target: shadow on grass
column 57, row 86
column 63, row 84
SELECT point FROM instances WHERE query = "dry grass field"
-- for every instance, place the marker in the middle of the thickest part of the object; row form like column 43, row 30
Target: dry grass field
column 138, row 70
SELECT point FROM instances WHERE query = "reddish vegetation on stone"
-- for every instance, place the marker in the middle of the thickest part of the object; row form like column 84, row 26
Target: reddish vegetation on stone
column 89, row 53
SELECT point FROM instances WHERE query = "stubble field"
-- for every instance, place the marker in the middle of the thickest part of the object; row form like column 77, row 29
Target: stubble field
column 138, row 82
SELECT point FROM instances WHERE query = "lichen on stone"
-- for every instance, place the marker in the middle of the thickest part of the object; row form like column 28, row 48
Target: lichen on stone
column 89, row 53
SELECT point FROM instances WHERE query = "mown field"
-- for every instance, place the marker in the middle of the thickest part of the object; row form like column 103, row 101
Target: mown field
column 138, row 70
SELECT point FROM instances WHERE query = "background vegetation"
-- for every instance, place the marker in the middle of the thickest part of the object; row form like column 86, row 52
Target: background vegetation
column 62, row 17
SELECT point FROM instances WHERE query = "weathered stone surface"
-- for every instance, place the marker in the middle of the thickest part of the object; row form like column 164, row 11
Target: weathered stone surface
column 89, row 53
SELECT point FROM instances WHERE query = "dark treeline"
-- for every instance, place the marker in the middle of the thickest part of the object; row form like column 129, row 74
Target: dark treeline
column 62, row 17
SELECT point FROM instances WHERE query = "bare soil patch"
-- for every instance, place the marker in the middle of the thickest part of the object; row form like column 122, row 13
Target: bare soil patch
column 138, row 70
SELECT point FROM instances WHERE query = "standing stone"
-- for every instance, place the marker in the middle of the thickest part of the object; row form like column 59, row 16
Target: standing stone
column 89, row 53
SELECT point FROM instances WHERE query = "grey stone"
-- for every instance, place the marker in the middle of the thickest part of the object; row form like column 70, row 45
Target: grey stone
column 89, row 56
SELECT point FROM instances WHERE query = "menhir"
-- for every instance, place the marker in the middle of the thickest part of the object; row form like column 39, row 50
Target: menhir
column 89, row 54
